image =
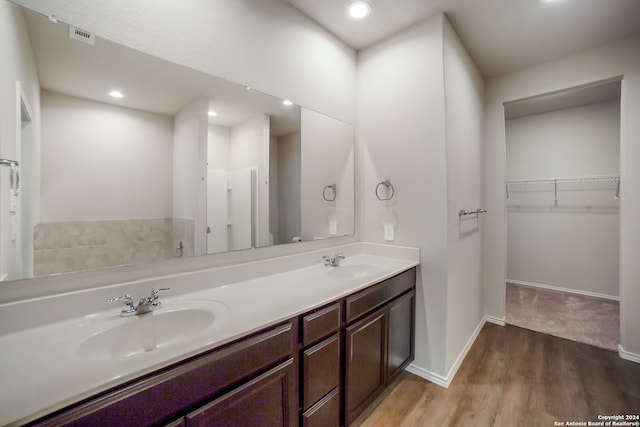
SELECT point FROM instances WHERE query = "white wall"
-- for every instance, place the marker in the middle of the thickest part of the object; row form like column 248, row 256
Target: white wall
column 326, row 159
column 267, row 44
column 16, row 65
column 218, row 142
column 189, row 171
column 123, row 155
column 249, row 149
column 217, row 211
column 218, row 146
column 401, row 137
column 464, row 92
column 573, row 243
column 289, row 181
column 274, row 216
column 426, row 138
column 621, row 58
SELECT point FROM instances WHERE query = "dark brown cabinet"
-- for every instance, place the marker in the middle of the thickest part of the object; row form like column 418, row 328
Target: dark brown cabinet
column 325, row 413
column 161, row 398
column 400, row 342
column 320, row 369
column 380, row 344
column 365, row 362
column 321, row 362
column 263, row 401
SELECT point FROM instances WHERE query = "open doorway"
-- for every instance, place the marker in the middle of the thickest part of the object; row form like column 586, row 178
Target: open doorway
column 563, row 214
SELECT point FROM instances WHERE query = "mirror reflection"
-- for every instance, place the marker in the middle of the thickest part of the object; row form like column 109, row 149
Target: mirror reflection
column 141, row 160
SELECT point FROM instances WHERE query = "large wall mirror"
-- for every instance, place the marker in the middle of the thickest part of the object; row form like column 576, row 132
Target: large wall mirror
column 179, row 163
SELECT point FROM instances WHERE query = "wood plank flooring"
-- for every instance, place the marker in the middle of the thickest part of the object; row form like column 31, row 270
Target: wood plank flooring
column 515, row 377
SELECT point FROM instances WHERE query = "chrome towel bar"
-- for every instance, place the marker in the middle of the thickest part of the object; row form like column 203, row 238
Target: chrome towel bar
column 463, row 212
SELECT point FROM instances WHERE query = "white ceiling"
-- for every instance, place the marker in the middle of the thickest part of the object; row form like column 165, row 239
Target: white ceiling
column 500, row 35
column 150, row 84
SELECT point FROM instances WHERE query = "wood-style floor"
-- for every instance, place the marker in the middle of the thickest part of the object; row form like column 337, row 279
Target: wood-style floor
column 515, row 377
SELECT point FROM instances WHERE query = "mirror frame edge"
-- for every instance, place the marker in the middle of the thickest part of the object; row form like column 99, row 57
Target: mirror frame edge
column 49, row 286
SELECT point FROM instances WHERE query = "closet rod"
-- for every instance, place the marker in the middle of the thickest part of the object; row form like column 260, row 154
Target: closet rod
column 568, row 179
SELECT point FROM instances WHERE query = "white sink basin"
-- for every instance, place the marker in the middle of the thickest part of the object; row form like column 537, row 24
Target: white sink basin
column 112, row 336
column 352, row 270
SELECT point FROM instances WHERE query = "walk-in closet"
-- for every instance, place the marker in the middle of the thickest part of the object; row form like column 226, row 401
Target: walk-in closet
column 563, row 213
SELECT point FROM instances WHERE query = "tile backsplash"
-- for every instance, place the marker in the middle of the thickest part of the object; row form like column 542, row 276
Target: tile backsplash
column 61, row 247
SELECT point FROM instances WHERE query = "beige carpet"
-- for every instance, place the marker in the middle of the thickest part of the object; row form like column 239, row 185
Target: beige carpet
column 585, row 319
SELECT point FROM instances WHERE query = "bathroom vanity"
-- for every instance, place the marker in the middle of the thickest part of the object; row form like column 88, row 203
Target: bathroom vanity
column 310, row 346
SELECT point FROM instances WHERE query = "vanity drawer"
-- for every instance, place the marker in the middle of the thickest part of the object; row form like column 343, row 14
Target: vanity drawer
column 321, row 364
column 325, row 413
column 159, row 396
column 320, row 324
column 368, row 299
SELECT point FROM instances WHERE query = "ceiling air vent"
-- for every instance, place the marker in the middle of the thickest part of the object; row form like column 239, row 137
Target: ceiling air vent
column 81, row 35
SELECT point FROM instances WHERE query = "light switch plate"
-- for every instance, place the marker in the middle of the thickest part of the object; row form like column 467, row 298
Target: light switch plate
column 389, row 232
column 333, row 227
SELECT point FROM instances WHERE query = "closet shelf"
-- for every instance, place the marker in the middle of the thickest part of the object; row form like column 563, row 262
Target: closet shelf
column 570, row 183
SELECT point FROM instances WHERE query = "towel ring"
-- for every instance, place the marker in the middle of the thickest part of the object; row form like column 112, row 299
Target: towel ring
column 387, row 185
column 332, row 193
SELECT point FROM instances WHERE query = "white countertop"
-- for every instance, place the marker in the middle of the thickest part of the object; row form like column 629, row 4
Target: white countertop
column 40, row 372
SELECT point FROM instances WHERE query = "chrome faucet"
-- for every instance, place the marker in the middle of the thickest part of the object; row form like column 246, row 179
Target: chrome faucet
column 333, row 261
column 145, row 304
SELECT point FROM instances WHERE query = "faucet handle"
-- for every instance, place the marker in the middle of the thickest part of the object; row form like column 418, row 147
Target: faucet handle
column 126, row 298
column 154, row 296
column 325, row 257
column 339, row 255
column 128, row 307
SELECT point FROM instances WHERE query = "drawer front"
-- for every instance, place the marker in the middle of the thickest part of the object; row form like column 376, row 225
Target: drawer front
column 370, row 298
column 151, row 400
column 320, row 324
column 177, row 423
column 267, row 400
column 321, row 364
column 325, row 413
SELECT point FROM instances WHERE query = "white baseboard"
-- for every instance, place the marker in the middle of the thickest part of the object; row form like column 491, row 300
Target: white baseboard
column 445, row 381
column 428, row 375
column 627, row 355
column 558, row 288
column 496, row 320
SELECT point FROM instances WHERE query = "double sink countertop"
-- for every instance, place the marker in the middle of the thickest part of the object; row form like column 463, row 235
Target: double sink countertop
column 50, row 366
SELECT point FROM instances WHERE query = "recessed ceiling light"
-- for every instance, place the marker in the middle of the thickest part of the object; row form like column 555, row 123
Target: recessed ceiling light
column 287, row 102
column 116, row 94
column 358, row 10
column 212, row 113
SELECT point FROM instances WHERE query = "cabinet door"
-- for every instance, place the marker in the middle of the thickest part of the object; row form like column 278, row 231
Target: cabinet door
column 365, row 363
column 269, row 400
column 400, row 335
